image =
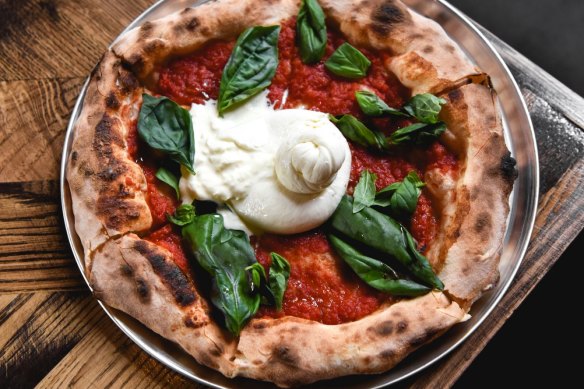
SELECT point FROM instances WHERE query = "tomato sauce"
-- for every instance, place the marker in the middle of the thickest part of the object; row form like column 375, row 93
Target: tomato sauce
column 321, row 287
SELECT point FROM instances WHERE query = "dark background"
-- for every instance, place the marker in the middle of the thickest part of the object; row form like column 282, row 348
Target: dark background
column 532, row 347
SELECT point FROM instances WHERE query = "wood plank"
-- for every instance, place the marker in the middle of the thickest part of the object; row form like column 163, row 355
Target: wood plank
column 38, row 330
column 108, row 358
column 59, row 38
column 532, row 77
column 560, row 219
column 34, row 253
column 33, row 116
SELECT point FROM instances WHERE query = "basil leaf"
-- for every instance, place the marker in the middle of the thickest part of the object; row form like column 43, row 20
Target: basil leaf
column 250, row 68
column 419, row 258
column 376, row 273
column 372, row 105
column 311, row 30
column 278, row 278
column 184, row 214
column 168, row 178
column 418, row 133
column 224, row 254
column 402, row 197
column 257, row 275
column 348, row 62
column 167, row 127
column 425, row 107
column 382, row 233
column 358, row 132
column 364, row 194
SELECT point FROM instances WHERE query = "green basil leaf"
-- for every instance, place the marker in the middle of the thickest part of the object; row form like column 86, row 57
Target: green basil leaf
column 419, row 258
column 425, row 107
column 402, row 197
column 250, row 68
column 376, row 273
column 224, row 254
column 184, row 214
column 168, row 178
column 358, row 132
column 257, row 275
column 381, row 232
column 278, row 278
column 167, row 127
column 348, row 62
column 311, row 30
column 364, row 194
column 372, row 105
column 418, row 133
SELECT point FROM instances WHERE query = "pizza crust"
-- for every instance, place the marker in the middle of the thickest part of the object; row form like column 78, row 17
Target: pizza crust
column 108, row 192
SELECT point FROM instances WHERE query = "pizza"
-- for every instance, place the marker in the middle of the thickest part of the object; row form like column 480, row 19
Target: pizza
column 291, row 190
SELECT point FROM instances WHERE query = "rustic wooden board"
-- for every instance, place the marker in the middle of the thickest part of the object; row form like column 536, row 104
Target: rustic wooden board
column 52, row 332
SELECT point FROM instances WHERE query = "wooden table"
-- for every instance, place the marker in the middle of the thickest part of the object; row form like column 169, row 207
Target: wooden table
column 52, row 332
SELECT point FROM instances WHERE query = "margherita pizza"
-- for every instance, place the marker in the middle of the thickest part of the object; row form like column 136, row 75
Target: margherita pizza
column 291, row 190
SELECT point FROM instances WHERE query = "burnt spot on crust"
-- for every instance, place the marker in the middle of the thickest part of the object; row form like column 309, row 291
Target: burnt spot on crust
column 127, row 82
column 146, row 30
column 74, row 156
column 283, row 354
column 142, row 288
column 385, row 16
column 137, row 62
column 387, row 354
column 425, row 337
column 483, row 221
column 153, row 46
column 126, row 270
column 508, row 170
column 190, row 24
column 402, row 326
column 115, row 211
column 111, row 101
column 260, row 326
column 428, row 49
column 169, row 272
column 455, row 96
column 189, row 322
column 385, row 328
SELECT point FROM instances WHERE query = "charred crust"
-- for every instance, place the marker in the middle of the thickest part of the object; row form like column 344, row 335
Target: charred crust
column 153, row 46
column 115, row 211
column 401, row 326
column 189, row 322
column 385, row 16
column 146, row 30
column 428, row 49
column 425, row 337
column 483, row 221
column 286, row 356
column 508, row 170
column 385, row 328
column 142, row 288
column 127, row 82
column 169, row 272
column 111, row 101
column 387, row 354
column 455, row 96
column 260, row 326
column 74, row 156
column 126, row 270
column 137, row 62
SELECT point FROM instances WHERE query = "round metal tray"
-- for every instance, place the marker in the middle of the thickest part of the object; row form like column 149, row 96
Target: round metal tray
column 520, row 140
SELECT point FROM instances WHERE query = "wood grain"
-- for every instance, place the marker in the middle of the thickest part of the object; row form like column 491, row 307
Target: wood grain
column 38, row 330
column 33, row 116
column 34, row 253
column 121, row 364
column 59, row 38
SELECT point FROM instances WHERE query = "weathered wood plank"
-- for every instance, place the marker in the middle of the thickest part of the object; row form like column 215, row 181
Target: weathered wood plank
column 38, row 330
column 532, row 77
column 107, row 358
column 34, row 253
column 560, row 219
column 59, row 38
column 33, row 117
